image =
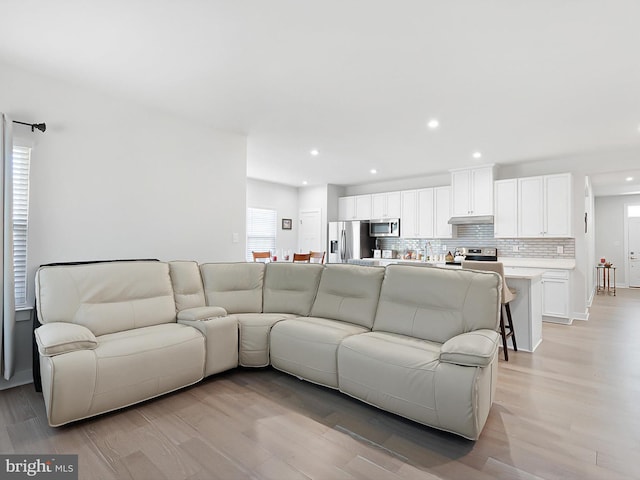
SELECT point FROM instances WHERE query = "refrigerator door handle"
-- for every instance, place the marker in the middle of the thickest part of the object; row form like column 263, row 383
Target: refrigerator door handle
column 343, row 245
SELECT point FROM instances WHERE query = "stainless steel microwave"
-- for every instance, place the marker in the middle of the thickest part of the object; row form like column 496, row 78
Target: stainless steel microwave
column 384, row 228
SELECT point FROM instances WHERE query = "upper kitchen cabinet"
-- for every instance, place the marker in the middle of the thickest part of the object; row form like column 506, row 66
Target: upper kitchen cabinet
column 544, row 206
column 505, row 196
column 409, row 217
column 356, row 207
column 426, row 213
column 472, row 191
column 442, row 211
column 417, row 213
column 386, row 205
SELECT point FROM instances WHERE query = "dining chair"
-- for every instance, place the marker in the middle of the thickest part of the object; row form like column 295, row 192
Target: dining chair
column 507, row 296
column 261, row 256
column 317, row 257
column 302, row 257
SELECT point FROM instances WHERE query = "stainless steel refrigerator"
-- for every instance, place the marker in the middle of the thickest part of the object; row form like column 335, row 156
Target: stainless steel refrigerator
column 349, row 241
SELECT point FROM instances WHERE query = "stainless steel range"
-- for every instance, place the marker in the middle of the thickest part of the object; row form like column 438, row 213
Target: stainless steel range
column 483, row 254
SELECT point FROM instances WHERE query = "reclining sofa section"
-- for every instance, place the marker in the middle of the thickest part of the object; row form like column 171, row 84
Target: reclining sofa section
column 418, row 342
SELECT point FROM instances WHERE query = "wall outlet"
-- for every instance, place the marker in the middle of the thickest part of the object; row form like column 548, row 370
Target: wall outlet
column 560, row 249
column 235, row 238
column 444, row 248
column 516, row 248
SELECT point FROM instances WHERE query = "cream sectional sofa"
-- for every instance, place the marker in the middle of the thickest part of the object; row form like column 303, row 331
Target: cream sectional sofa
column 418, row 342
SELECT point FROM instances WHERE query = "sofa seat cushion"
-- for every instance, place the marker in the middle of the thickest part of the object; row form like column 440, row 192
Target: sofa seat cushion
column 125, row 368
column 393, row 372
column 254, row 330
column 307, row 347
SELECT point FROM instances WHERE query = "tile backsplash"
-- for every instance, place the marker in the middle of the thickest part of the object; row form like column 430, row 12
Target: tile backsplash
column 482, row 236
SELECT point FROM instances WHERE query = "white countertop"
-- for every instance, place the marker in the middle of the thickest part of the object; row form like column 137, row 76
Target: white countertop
column 543, row 263
column 523, row 268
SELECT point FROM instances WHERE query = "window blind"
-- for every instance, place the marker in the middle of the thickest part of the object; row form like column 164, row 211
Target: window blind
column 21, row 162
column 261, row 231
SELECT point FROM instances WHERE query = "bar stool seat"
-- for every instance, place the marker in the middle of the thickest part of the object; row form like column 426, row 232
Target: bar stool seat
column 506, row 328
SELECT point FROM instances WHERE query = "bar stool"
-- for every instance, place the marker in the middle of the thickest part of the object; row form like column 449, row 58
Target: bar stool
column 507, row 296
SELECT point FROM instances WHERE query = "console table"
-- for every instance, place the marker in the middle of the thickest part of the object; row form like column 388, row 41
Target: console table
column 605, row 272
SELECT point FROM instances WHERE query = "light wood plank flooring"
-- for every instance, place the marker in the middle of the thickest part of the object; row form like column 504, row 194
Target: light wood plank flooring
column 571, row 410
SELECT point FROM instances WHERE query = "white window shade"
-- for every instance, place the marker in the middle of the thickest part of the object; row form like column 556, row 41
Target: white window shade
column 261, row 231
column 21, row 162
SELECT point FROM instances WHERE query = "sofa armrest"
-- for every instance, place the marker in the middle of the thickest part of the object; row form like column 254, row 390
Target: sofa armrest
column 221, row 337
column 472, row 349
column 201, row 313
column 61, row 337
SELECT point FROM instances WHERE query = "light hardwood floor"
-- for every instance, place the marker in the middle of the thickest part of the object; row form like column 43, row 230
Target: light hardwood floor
column 571, row 410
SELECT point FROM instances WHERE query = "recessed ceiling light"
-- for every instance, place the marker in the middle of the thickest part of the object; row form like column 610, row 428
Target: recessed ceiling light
column 477, row 155
column 628, row 179
column 315, row 152
column 373, row 171
column 304, row 182
column 433, row 123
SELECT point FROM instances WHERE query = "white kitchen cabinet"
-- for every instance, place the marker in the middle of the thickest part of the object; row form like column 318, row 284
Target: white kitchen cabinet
column 409, row 216
column 417, row 213
column 426, row 213
column 426, row 207
column 357, row 207
column 544, row 206
column 472, row 191
column 555, row 296
column 386, row 205
column 505, row 195
column 442, row 212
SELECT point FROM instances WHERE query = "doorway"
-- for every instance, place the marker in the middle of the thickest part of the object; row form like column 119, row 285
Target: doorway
column 632, row 250
column 310, row 231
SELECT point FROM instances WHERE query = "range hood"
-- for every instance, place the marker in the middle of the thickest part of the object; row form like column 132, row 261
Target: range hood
column 476, row 220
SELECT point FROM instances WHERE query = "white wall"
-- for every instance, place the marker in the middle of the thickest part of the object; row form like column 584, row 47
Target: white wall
column 110, row 179
column 609, row 217
column 284, row 200
column 400, row 184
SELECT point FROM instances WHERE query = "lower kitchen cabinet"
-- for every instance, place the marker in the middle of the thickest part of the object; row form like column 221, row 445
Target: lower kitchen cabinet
column 555, row 296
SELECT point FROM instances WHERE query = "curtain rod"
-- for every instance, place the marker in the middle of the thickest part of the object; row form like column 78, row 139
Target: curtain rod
column 40, row 126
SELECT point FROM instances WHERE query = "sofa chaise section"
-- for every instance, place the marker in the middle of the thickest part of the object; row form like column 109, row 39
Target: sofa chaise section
column 109, row 338
column 432, row 353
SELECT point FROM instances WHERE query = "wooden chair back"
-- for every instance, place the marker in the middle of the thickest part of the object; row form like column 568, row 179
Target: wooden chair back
column 317, row 257
column 302, row 257
column 261, row 256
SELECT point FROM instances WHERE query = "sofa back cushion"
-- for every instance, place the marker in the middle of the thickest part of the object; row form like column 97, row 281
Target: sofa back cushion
column 291, row 287
column 236, row 287
column 435, row 303
column 349, row 293
column 106, row 297
column 188, row 291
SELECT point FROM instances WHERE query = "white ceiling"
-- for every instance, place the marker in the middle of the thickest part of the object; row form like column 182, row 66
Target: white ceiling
column 356, row 79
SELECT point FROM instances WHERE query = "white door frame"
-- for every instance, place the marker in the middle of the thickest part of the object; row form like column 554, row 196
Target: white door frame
column 627, row 267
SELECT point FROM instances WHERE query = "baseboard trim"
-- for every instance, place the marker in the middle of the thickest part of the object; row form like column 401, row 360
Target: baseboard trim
column 21, row 377
column 583, row 317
